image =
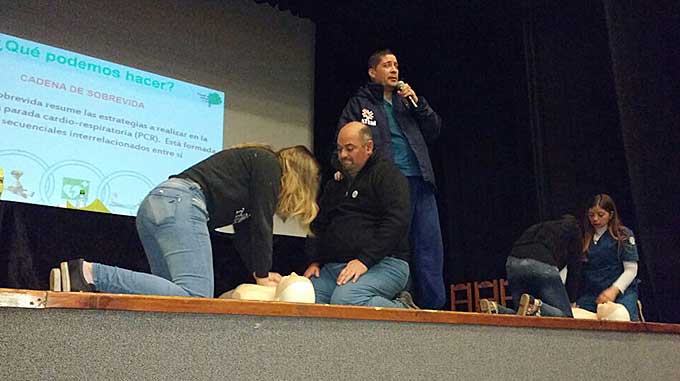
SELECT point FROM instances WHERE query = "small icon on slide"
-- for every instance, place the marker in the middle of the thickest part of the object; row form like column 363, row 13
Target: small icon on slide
column 211, row 99
column 18, row 188
column 75, row 190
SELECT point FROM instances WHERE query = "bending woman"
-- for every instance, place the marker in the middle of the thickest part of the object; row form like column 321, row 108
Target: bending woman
column 611, row 253
column 533, row 269
column 244, row 186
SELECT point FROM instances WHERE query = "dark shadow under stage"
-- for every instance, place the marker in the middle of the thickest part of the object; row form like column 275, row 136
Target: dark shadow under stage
column 59, row 335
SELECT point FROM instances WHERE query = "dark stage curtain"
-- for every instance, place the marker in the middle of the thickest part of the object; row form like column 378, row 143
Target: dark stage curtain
column 544, row 104
column 643, row 37
column 532, row 124
column 573, row 116
column 467, row 60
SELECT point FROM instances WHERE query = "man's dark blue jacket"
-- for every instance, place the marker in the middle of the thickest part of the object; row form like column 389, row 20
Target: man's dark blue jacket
column 420, row 125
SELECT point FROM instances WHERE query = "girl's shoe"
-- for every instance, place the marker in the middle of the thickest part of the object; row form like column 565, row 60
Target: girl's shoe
column 529, row 306
column 488, row 306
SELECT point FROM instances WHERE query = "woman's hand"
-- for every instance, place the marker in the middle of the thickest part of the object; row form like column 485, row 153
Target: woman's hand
column 272, row 280
column 608, row 295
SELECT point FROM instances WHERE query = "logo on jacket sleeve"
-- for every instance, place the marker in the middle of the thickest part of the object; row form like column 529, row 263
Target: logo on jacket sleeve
column 241, row 215
column 367, row 117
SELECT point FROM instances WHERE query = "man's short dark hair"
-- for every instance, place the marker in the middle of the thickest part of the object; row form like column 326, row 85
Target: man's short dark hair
column 375, row 58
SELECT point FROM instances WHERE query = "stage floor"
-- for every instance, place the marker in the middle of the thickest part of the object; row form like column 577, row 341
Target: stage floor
column 148, row 303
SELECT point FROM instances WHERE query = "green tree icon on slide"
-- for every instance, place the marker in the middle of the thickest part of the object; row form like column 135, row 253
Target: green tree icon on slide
column 214, row 99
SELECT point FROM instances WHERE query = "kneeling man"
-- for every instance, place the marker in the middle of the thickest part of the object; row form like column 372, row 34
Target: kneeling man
column 359, row 253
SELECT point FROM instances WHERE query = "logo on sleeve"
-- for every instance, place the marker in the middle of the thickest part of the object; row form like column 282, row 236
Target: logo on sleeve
column 241, row 215
column 367, row 117
column 631, row 239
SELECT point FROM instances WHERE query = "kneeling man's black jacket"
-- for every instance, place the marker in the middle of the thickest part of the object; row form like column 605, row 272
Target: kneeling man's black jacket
column 365, row 218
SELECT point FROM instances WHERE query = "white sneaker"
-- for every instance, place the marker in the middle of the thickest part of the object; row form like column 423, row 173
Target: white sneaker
column 529, row 306
column 55, row 280
column 487, row 306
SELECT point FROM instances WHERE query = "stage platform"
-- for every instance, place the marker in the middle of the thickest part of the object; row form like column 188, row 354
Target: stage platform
column 59, row 335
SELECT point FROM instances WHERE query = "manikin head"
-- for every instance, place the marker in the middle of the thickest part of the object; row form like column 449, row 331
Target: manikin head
column 295, row 288
column 292, row 288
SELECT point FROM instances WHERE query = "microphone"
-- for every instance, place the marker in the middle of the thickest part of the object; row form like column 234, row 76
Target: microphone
column 400, row 85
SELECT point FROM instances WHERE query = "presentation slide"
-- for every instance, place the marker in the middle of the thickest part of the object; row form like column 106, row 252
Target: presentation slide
column 80, row 132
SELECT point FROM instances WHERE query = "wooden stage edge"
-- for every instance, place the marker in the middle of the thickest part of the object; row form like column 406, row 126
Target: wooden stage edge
column 145, row 303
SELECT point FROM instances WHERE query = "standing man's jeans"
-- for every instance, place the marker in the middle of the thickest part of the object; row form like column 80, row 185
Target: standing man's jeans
column 376, row 288
column 529, row 276
column 172, row 223
column 426, row 243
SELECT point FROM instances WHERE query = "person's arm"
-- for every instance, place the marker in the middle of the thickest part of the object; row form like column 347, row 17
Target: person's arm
column 630, row 258
column 312, row 249
column 575, row 260
column 394, row 205
column 573, row 279
column 352, row 271
column 313, row 270
column 320, row 224
column 626, row 278
column 253, row 236
column 428, row 120
column 351, row 113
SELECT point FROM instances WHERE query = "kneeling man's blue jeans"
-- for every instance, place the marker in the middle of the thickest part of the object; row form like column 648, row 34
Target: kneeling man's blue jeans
column 376, row 288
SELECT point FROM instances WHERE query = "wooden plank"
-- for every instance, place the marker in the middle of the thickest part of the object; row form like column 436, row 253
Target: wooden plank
column 149, row 303
column 23, row 299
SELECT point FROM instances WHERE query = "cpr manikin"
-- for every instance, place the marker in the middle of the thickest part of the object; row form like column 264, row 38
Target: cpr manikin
column 605, row 311
column 292, row 288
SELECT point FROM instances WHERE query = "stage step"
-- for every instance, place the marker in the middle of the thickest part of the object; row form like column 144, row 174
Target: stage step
column 150, row 303
column 59, row 335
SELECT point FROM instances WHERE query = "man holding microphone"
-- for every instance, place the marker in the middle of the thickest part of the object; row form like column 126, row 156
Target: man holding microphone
column 402, row 124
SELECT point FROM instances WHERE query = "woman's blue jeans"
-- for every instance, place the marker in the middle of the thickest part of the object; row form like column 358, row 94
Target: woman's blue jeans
column 529, row 276
column 172, row 223
column 376, row 288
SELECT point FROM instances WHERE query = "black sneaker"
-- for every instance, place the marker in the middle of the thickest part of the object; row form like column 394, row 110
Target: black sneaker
column 406, row 299
column 529, row 306
column 72, row 278
column 487, row 306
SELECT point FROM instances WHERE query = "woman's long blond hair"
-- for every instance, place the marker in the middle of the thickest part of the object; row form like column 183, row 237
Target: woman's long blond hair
column 299, row 182
column 299, row 185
